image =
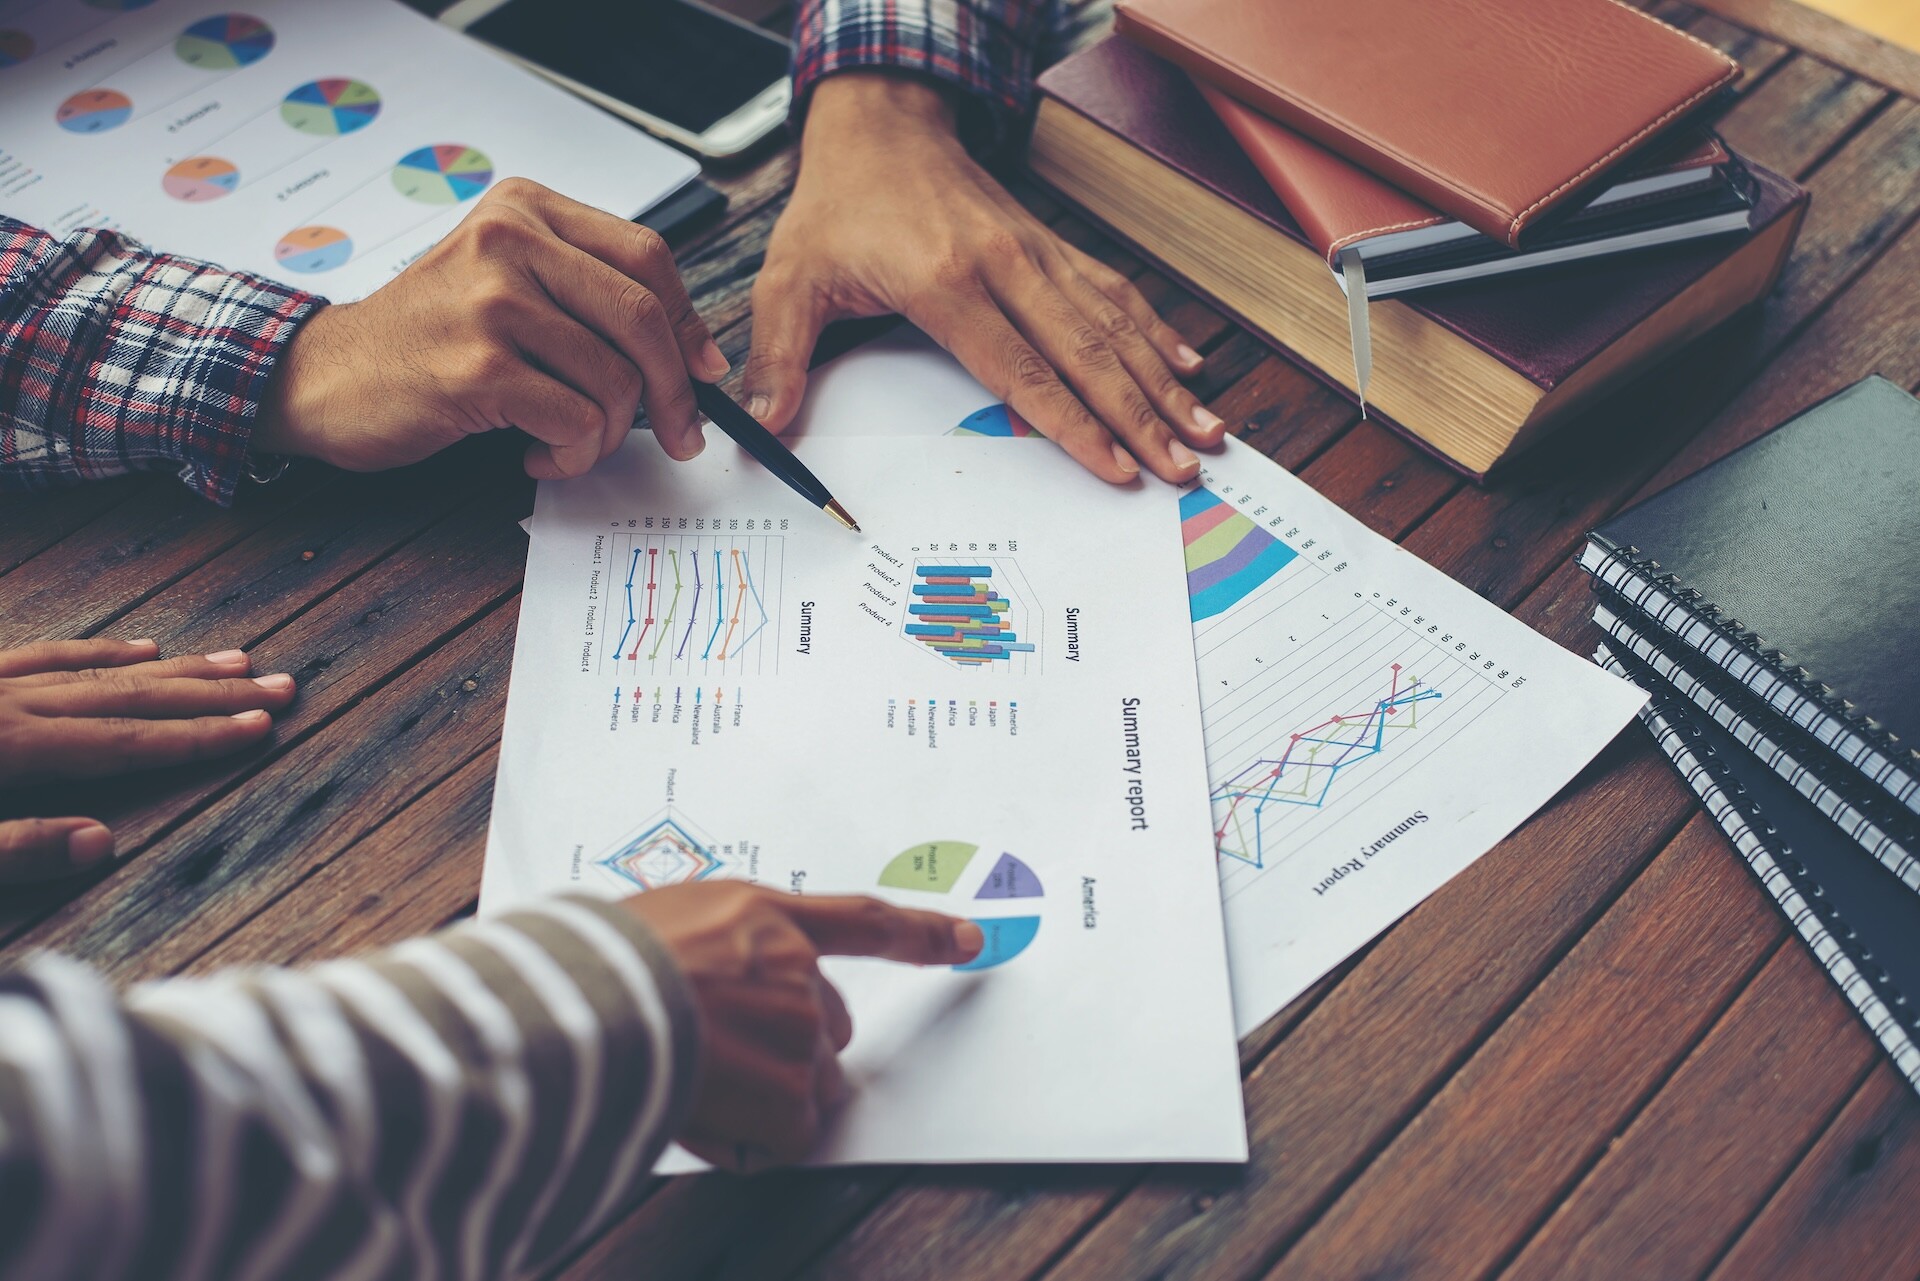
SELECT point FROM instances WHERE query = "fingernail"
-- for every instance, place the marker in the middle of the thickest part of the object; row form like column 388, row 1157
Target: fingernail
column 89, row 845
column 698, row 440
column 1182, row 456
column 969, row 938
column 145, row 640
column 1188, row 356
column 714, row 359
column 254, row 717
column 1122, row 457
column 278, row 681
column 228, row 656
column 1208, row 421
column 758, row 405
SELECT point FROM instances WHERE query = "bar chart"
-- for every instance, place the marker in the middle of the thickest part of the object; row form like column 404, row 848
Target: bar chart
column 973, row 615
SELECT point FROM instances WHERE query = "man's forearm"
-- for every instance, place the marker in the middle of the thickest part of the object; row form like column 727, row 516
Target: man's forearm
column 114, row 359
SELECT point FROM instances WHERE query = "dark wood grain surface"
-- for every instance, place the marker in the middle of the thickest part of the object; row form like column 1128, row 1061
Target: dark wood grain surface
column 1598, row 1052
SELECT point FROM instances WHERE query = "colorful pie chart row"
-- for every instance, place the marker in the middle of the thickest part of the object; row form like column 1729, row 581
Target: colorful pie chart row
column 940, row 867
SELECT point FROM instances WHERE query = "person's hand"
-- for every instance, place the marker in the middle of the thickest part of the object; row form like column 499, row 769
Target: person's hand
column 890, row 214
column 772, row 1025
column 537, row 312
column 85, row 709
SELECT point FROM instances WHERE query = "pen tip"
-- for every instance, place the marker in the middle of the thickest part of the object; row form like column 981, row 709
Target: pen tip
column 839, row 513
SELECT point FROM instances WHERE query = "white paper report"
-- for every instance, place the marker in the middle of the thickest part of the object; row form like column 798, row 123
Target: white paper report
column 984, row 705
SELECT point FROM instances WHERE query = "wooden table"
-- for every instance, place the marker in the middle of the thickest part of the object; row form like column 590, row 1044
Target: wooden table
column 1598, row 1052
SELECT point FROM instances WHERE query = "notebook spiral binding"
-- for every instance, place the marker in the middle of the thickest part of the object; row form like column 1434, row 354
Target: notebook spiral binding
column 1882, row 828
column 1888, row 1012
column 1645, row 566
column 1639, row 580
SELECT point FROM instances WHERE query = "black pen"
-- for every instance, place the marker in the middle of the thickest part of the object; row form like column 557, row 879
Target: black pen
column 765, row 446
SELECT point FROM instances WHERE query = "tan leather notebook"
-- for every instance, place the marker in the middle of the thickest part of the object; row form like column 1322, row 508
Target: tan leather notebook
column 1341, row 206
column 1494, row 112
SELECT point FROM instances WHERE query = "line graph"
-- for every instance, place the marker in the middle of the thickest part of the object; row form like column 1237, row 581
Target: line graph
column 1331, row 713
column 692, row 605
column 1305, row 772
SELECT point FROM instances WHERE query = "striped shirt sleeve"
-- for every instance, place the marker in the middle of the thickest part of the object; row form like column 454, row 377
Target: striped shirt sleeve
column 115, row 359
column 470, row 1105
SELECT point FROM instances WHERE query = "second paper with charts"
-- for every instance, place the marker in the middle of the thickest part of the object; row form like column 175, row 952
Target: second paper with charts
column 325, row 144
column 984, row 705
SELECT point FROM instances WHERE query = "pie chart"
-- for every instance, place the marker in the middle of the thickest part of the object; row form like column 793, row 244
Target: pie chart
column 990, row 893
column 198, row 179
column 329, row 108
column 444, row 174
column 94, row 111
column 994, row 420
column 226, row 42
column 309, row 250
column 15, row 46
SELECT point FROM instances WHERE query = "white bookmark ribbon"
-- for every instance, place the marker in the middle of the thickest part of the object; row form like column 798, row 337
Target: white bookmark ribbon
column 1355, row 274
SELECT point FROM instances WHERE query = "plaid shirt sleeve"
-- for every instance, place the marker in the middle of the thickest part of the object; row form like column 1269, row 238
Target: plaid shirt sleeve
column 114, row 359
column 984, row 48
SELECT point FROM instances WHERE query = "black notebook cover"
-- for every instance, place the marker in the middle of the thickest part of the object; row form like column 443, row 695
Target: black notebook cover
column 1859, row 921
column 1809, row 537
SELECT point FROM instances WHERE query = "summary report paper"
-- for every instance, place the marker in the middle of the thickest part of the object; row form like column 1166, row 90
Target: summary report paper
column 984, row 705
column 323, row 145
column 1372, row 726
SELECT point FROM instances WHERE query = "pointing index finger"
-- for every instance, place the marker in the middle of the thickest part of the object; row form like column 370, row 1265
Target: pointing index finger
column 854, row 925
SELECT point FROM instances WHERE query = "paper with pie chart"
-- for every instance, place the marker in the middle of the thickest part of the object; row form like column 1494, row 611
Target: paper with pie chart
column 326, row 146
column 950, row 711
column 1372, row 726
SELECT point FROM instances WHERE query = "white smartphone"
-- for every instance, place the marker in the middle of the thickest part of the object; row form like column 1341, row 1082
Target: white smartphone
column 689, row 73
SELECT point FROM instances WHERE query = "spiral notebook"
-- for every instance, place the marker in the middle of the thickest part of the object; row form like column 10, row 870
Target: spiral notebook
column 1790, row 564
column 1848, row 909
column 1881, row 828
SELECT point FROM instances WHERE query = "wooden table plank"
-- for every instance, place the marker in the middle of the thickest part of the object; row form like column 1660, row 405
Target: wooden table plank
column 1865, row 55
column 1673, row 1190
column 1847, row 1211
column 1494, row 1150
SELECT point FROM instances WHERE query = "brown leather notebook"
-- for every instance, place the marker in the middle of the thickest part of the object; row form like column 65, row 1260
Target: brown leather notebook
column 1496, row 112
column 1681, row 188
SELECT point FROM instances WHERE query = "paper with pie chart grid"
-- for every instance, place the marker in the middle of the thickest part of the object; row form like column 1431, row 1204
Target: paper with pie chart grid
column 323, row 145
column 985, row 705
column 1372, row 726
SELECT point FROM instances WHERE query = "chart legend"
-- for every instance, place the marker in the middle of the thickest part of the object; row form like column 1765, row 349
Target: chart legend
column 971, row 615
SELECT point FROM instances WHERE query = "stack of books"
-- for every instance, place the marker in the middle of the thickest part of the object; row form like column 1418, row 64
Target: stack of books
column 1542, row 218
column 1770, row 605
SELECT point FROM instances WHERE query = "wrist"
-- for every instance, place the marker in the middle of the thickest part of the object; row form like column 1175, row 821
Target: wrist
column 879, row 101
column 291, row 404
